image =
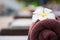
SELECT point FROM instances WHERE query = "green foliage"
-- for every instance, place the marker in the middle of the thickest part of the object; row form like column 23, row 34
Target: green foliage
column 58, row 1
column 37, row 2
column 34, row 2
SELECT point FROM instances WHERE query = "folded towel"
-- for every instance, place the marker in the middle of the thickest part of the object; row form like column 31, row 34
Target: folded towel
column 45, row 30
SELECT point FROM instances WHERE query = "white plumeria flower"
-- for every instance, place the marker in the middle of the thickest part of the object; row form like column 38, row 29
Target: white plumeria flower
column 42, row 13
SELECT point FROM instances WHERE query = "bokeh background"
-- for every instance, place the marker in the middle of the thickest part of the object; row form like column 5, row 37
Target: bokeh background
column 16, row 16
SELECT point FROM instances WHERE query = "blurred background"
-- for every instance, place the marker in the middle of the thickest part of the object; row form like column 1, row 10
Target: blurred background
column 16, row 16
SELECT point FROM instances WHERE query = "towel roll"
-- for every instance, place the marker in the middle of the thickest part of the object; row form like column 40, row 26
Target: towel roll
column 45, row 30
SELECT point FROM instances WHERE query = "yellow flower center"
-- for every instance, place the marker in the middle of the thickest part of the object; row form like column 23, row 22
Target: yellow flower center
column 26, row 9
column 43, row 15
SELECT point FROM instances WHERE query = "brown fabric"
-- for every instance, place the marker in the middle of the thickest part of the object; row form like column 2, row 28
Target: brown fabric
column 45, row 30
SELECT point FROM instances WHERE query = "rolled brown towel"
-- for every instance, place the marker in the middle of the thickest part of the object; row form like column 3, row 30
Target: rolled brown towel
column 45, row 30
